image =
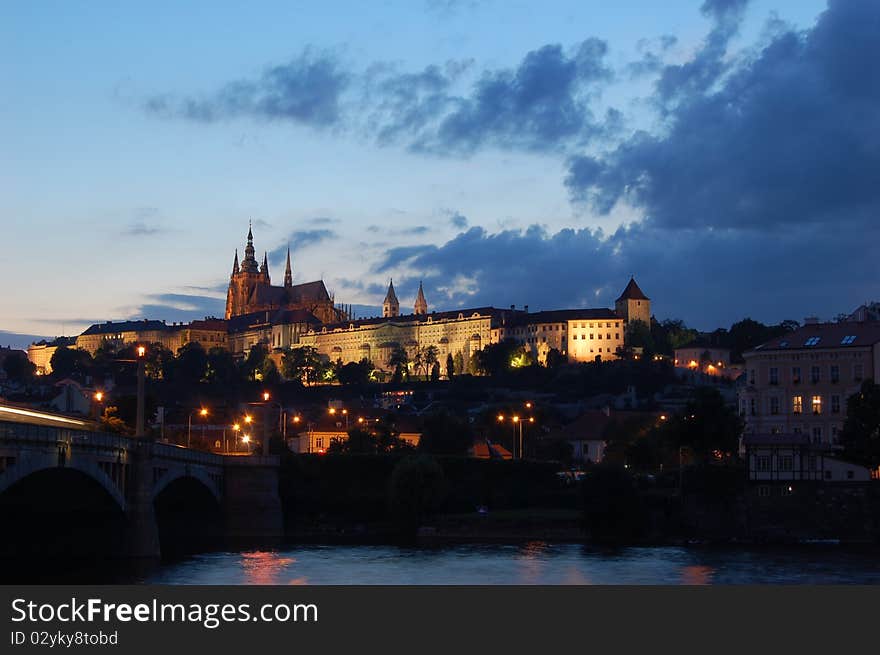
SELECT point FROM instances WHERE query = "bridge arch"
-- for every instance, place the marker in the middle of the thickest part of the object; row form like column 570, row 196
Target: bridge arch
column 180, row 472
column 25, row 467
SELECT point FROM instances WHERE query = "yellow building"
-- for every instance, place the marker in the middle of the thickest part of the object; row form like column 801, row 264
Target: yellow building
column 210, row 333
column 40, row 353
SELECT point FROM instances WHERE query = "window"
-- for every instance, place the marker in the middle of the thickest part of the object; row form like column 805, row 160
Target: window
column 847, row 340
column 814, row 374
column 817, row 435
column 617, row 335
column 850, row 474
column 774, row 405
column 774, row 375
column 858, row 372
column 599, row 336
column 764, row 491
column 797, row 404
column 812, row 341
column 752, row 408
column 811, row 462
column 835, row 404
column 795, row 374
column 817, row 404
column 591, row 335
column 835, row 373
column 786, row 462
column 319, row 442
column 751, row 376
column 762, row 463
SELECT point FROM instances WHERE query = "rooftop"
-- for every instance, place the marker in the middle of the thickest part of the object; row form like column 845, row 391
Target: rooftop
column 824, row 335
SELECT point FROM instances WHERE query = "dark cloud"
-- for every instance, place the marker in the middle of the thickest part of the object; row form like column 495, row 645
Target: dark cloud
column 543, row 104
column 789, row 137
column 740, row 272
column 458, row 220
column 307, row 90
column 652, row 51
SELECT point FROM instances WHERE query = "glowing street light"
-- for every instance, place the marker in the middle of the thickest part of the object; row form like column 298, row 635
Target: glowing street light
column 266, row 396
column 99, row 396
column 141, row 351
column 203, row 412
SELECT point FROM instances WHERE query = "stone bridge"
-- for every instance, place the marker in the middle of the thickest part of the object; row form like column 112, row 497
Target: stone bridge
column 135, row 473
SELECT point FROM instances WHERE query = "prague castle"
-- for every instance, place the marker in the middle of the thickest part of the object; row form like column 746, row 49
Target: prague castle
column 297, row 315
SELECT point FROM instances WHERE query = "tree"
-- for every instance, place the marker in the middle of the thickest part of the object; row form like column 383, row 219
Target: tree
column 221, row 366
column 497, row 358
column 70, row 363
column 429, row 355
column 554, row 358
column 18, row 367
column 269, row 373
column 446, row 434
column 638, row 335
column 450, row 366
column 399, row 360
column 303, row 364
column 110, row 422
column 861, row 430
column 355, row 373
column 252, row 366
column 190, row 365
column 459, row 363
column 435, row 372
column 706, row 427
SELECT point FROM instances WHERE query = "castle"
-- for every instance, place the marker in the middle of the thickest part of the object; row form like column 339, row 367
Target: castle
column 296, row 315
column 251, row 290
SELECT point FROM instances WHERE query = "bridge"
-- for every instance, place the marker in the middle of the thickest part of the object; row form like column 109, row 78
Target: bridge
column 66, row 487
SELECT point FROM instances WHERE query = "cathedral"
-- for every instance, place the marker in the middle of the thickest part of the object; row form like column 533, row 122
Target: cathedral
column 251, row 290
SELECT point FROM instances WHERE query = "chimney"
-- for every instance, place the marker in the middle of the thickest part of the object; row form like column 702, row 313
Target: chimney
column 526, row 308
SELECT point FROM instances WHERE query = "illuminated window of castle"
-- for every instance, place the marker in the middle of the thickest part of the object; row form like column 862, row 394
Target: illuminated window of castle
column 797, row 404
column 817, row 404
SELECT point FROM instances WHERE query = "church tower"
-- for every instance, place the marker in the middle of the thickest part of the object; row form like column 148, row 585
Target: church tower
column 390, row 306
column 633, row 304
column 246, row 279
column 421, row 306
column 288, row 272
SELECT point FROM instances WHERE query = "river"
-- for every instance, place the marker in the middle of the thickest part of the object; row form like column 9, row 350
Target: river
column 530, row 563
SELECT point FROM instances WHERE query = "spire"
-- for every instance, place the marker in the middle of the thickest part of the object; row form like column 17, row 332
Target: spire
column 235, row 263
column 421, row 306
column 390, row 306
column 288, row 272
column 249, row 263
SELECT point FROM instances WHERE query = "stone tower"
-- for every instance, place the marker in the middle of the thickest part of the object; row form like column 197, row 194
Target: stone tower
column 245, row 279
column 633, row 304
column 421, row 306
column 288, row 272
column 390, row 306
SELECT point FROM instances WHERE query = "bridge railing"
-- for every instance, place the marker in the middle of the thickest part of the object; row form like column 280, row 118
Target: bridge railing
column 11, row 432
column 169, row 451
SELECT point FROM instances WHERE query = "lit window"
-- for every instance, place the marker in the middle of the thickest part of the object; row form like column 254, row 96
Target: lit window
column 797, row 404
column 817, row 404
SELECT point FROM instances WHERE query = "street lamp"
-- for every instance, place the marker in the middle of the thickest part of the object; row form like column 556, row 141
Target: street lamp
column 141, row 367
column 517, row 422
column 203, row 412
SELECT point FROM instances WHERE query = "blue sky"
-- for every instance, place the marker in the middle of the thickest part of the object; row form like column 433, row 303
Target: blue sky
column 504, row 152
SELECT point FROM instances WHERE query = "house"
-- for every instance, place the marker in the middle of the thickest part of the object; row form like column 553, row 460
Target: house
column 589, row 432
column 74, row 398
column 783, row 459
column 316, row 436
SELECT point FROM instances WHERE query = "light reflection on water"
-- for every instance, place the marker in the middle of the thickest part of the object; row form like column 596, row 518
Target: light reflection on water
column 535, row 562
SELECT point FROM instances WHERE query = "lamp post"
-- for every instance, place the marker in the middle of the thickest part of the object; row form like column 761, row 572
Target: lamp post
column 99, row 399
column 517, row 425
column 202, row 412
column 141, row 367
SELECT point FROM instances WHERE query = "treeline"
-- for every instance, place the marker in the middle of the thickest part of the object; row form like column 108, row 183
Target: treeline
column 663, row 337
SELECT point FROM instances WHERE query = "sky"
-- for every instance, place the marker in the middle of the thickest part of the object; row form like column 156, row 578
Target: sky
column 726, row 153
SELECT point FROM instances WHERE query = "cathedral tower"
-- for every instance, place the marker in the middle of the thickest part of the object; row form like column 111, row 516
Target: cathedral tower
column 421, row 306
column 390, row 306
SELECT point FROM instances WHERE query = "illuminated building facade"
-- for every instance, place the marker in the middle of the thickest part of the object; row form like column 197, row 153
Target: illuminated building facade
column 797, row 385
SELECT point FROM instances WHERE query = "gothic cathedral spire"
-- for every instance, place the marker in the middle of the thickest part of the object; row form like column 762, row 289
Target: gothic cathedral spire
column 265, row 268
column 235, row 263
column 288, row 272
